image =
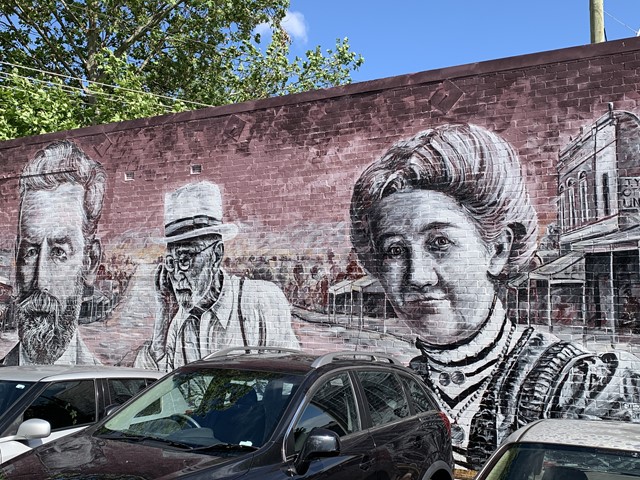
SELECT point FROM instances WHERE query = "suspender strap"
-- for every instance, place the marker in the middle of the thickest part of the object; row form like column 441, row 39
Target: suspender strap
column 240, row 317
column 261, row 327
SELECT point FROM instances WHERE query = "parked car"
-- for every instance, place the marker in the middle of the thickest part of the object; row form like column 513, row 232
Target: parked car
column 568, row 450
column 39, row 404
column 263, row 414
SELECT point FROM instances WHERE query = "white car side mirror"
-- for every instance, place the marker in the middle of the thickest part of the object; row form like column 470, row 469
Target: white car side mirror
column 32, row 429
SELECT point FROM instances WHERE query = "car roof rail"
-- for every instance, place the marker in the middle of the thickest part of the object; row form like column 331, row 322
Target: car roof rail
column 248, row 350
column 374, row 357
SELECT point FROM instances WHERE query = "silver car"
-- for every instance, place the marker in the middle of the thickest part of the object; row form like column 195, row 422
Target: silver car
column 567, row 450
column 41, row 403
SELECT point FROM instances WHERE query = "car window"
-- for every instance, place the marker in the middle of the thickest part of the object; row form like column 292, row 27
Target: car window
column 332, row 406
column 207, row 407
column 11, row 391
column 556, row 461
column 422, row 402
column 384, row 395
column 65, row 404
column 122, row 389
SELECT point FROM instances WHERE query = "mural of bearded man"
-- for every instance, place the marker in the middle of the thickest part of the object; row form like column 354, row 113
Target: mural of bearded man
column 57, row 254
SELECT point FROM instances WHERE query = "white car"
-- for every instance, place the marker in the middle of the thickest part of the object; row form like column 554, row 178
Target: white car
column 41, row 403
column 567, row 450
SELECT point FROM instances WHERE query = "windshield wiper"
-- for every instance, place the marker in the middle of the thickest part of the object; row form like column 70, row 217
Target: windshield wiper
column 136, row 438
column 225, row 446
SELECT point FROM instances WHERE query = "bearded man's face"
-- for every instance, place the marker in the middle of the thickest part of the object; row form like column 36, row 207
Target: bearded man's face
column 51, row 265
column 46, row 325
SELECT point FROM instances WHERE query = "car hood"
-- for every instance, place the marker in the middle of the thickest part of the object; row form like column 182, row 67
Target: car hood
column 96, row 458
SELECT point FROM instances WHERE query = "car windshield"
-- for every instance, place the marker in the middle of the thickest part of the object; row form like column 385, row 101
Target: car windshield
column 533, row 461
column 206, row 409
column 11, row 391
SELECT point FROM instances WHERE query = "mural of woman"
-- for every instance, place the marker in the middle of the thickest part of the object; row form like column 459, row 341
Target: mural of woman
column 444, row 220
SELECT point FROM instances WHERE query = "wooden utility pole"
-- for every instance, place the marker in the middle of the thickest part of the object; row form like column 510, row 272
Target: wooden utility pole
column 596, row 13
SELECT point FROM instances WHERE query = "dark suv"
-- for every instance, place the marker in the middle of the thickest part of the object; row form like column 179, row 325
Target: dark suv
column 263, row 414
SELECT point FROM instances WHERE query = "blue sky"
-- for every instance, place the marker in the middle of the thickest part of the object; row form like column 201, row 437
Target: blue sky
column 406, row 36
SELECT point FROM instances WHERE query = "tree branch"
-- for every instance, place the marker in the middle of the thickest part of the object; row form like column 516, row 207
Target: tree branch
column 68, row 35
column 93, row 41
column 25, row 46
column 44, row 35
column 152, row 22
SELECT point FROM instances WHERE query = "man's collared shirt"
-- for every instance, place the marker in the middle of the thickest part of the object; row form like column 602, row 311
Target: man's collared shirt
column 263, row 313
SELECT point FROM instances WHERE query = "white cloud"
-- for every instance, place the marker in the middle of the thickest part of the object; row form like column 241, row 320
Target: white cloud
column 263, row 29
column 293, row 23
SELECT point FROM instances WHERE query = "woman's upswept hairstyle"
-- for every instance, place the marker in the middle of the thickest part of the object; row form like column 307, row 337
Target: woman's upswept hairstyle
column 476, row 167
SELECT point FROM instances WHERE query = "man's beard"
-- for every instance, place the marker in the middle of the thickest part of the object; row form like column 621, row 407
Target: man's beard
column 46, row 326
column 192, row 294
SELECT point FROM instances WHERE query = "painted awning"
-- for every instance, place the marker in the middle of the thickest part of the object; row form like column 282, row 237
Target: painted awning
column 567, row 268
column 368, row 285
column 628, row 239
column 519, row 281
column 341, row 287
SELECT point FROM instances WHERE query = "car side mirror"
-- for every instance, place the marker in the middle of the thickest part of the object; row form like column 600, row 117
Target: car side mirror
column 32, row 429
column 320, row 443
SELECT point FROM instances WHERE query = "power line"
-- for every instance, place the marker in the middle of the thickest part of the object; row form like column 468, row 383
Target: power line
column 129, row 24
column 81, row 80
column 72, row 89
column 634, row 30
column 20, row 89
column 69, row 89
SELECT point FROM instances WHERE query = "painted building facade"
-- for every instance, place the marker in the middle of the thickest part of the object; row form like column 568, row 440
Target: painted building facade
column 480, row 222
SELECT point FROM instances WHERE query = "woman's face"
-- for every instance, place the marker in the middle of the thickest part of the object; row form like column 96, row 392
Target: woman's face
column 434, row 265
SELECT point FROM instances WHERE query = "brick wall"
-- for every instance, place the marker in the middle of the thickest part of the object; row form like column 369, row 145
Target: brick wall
column 286, row 168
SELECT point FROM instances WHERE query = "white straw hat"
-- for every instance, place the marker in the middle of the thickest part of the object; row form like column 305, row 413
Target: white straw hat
column 195, row 210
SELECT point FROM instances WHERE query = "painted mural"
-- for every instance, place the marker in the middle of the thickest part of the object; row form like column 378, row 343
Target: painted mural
column 503, row 266
column 57, row 255
column 444, row 221
column 201, row 309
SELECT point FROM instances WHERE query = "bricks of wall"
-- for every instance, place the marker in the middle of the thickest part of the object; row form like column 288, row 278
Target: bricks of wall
column 497, row 251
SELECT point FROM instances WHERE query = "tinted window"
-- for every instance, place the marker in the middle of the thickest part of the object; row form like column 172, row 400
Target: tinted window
column 422, row 402
column 122, row 389
column 65, row 404
column 10, row 392
column 385, row 397
column 333, row 407
column 207, row 407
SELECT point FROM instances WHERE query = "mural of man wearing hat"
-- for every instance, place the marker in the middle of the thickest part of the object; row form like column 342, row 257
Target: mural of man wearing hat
column 201, row 308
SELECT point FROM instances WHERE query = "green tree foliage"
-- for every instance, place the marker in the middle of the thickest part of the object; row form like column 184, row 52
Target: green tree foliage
column 71, row 63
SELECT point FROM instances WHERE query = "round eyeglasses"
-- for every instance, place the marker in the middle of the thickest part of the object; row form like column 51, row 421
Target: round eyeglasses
column 184, row 261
